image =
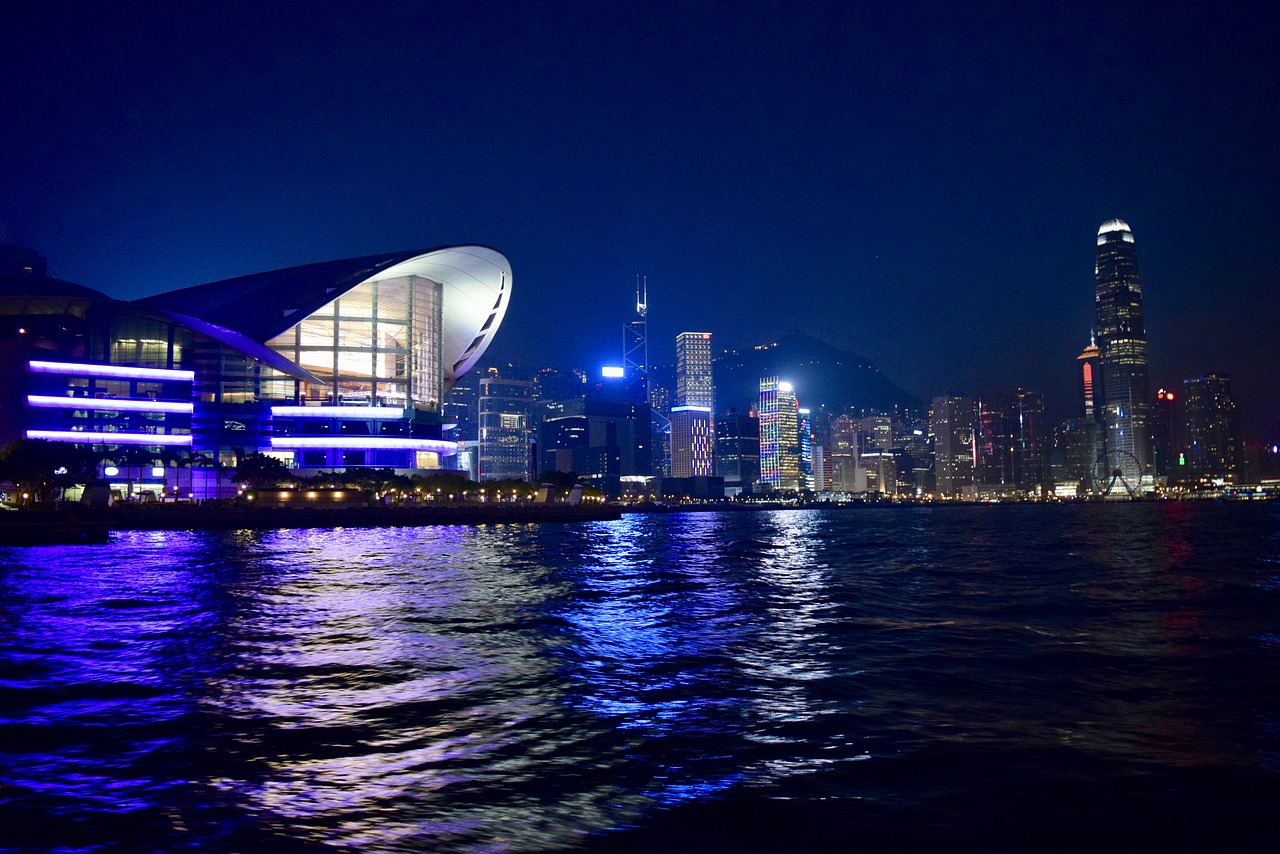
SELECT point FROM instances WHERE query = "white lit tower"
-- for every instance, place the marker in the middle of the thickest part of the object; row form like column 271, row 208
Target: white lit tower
column 1122, row 346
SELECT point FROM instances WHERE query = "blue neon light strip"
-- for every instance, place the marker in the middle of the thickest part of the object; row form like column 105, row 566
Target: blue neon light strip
column 108, row 404
column 82, row 437
column 123, row 371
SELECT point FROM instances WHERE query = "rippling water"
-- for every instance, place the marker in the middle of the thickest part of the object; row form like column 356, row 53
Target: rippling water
column 1007, row 678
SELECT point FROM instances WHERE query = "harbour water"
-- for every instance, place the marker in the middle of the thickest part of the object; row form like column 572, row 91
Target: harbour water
column 952, row 678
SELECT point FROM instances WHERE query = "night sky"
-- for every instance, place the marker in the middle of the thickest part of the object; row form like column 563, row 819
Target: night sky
column 918, row 184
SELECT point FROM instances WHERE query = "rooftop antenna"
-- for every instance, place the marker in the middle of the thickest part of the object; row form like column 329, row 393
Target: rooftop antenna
column 635, row 360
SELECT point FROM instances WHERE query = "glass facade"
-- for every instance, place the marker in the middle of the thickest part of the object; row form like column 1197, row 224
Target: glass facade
column 377, row 344
column 505, row 409
column 1122, row 343
column 328, row 365
column 779, row 435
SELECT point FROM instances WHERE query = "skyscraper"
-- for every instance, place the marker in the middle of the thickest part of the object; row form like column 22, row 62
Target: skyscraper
column 738, row 450
column 951, row 423
column 1166, row 427
column 804, row 427
column 504, row 427
column 1214, row 449
column 1122, row 346
column 635, row 362
column 694, row 385
column 692, row 427
column 779, row 435
column 1088, row 464
column 1027, row 424
column 842, row 455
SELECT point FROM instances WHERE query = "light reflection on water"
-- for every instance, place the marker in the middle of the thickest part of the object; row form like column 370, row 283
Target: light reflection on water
column 526, row 687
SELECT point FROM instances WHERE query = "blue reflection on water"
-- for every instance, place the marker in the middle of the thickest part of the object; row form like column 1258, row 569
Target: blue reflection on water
column 527, row 687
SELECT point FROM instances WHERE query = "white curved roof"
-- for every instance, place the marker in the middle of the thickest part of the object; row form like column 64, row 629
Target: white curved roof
column 1113, row 225
column 476, row 284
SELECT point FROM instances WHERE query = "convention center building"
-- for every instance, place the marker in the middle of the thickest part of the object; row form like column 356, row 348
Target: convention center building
column 338, row 364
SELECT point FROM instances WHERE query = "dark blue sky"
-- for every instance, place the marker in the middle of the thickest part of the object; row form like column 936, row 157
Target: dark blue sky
column 922, row 186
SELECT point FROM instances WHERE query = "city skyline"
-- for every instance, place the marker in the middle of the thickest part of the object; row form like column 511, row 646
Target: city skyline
column 919, row 189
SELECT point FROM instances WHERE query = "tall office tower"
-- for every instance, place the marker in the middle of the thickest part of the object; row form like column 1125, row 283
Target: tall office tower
column 1090, row 380
column 881, row 470
column 504, row 427
column 779, row 435
column 822, row 472
column 692, row 430
column 1122, row 346
column 1085, row 437
column 738, row 451
column 876, row 433
column 992, row 442
column 951, row 423
column 1165, row 445
column 804, row 426
column 914, row 458
column 635, row 361
column 692, row 441
column 842, row 455
column 694, row 386
column 1027, row 426
column 1214, row 449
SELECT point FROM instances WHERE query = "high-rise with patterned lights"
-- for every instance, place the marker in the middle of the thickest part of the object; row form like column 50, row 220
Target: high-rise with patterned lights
column 779, row 435
column 1122, row 347
column 692, row 421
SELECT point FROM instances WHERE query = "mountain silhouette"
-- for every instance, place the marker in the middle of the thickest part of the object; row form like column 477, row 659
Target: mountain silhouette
column 823, row 375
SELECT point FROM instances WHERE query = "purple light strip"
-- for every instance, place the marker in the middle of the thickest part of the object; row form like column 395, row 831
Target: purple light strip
column 111, row 405
column 123, row 371
column 372, row 443
column 85, row 438
column 358, row 412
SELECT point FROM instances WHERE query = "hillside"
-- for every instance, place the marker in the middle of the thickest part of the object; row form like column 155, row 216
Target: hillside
column 823, row 375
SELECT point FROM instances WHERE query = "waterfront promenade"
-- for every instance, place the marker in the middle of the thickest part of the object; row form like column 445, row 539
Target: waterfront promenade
column 27, row 527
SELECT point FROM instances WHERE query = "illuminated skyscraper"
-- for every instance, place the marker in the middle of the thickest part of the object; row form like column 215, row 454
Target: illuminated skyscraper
column 1026, row 419
column 1090, row 378
column 1088, row 460
column 1165, row 430
column 504, row 427
column 1122, row 346
column 694, row 386
column 692, row 441
column 842, row 455
column 951, row 423
column 1213, row 429
column 779, row 435
column 635, row 361
column 804, row 427
column 692, row 427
